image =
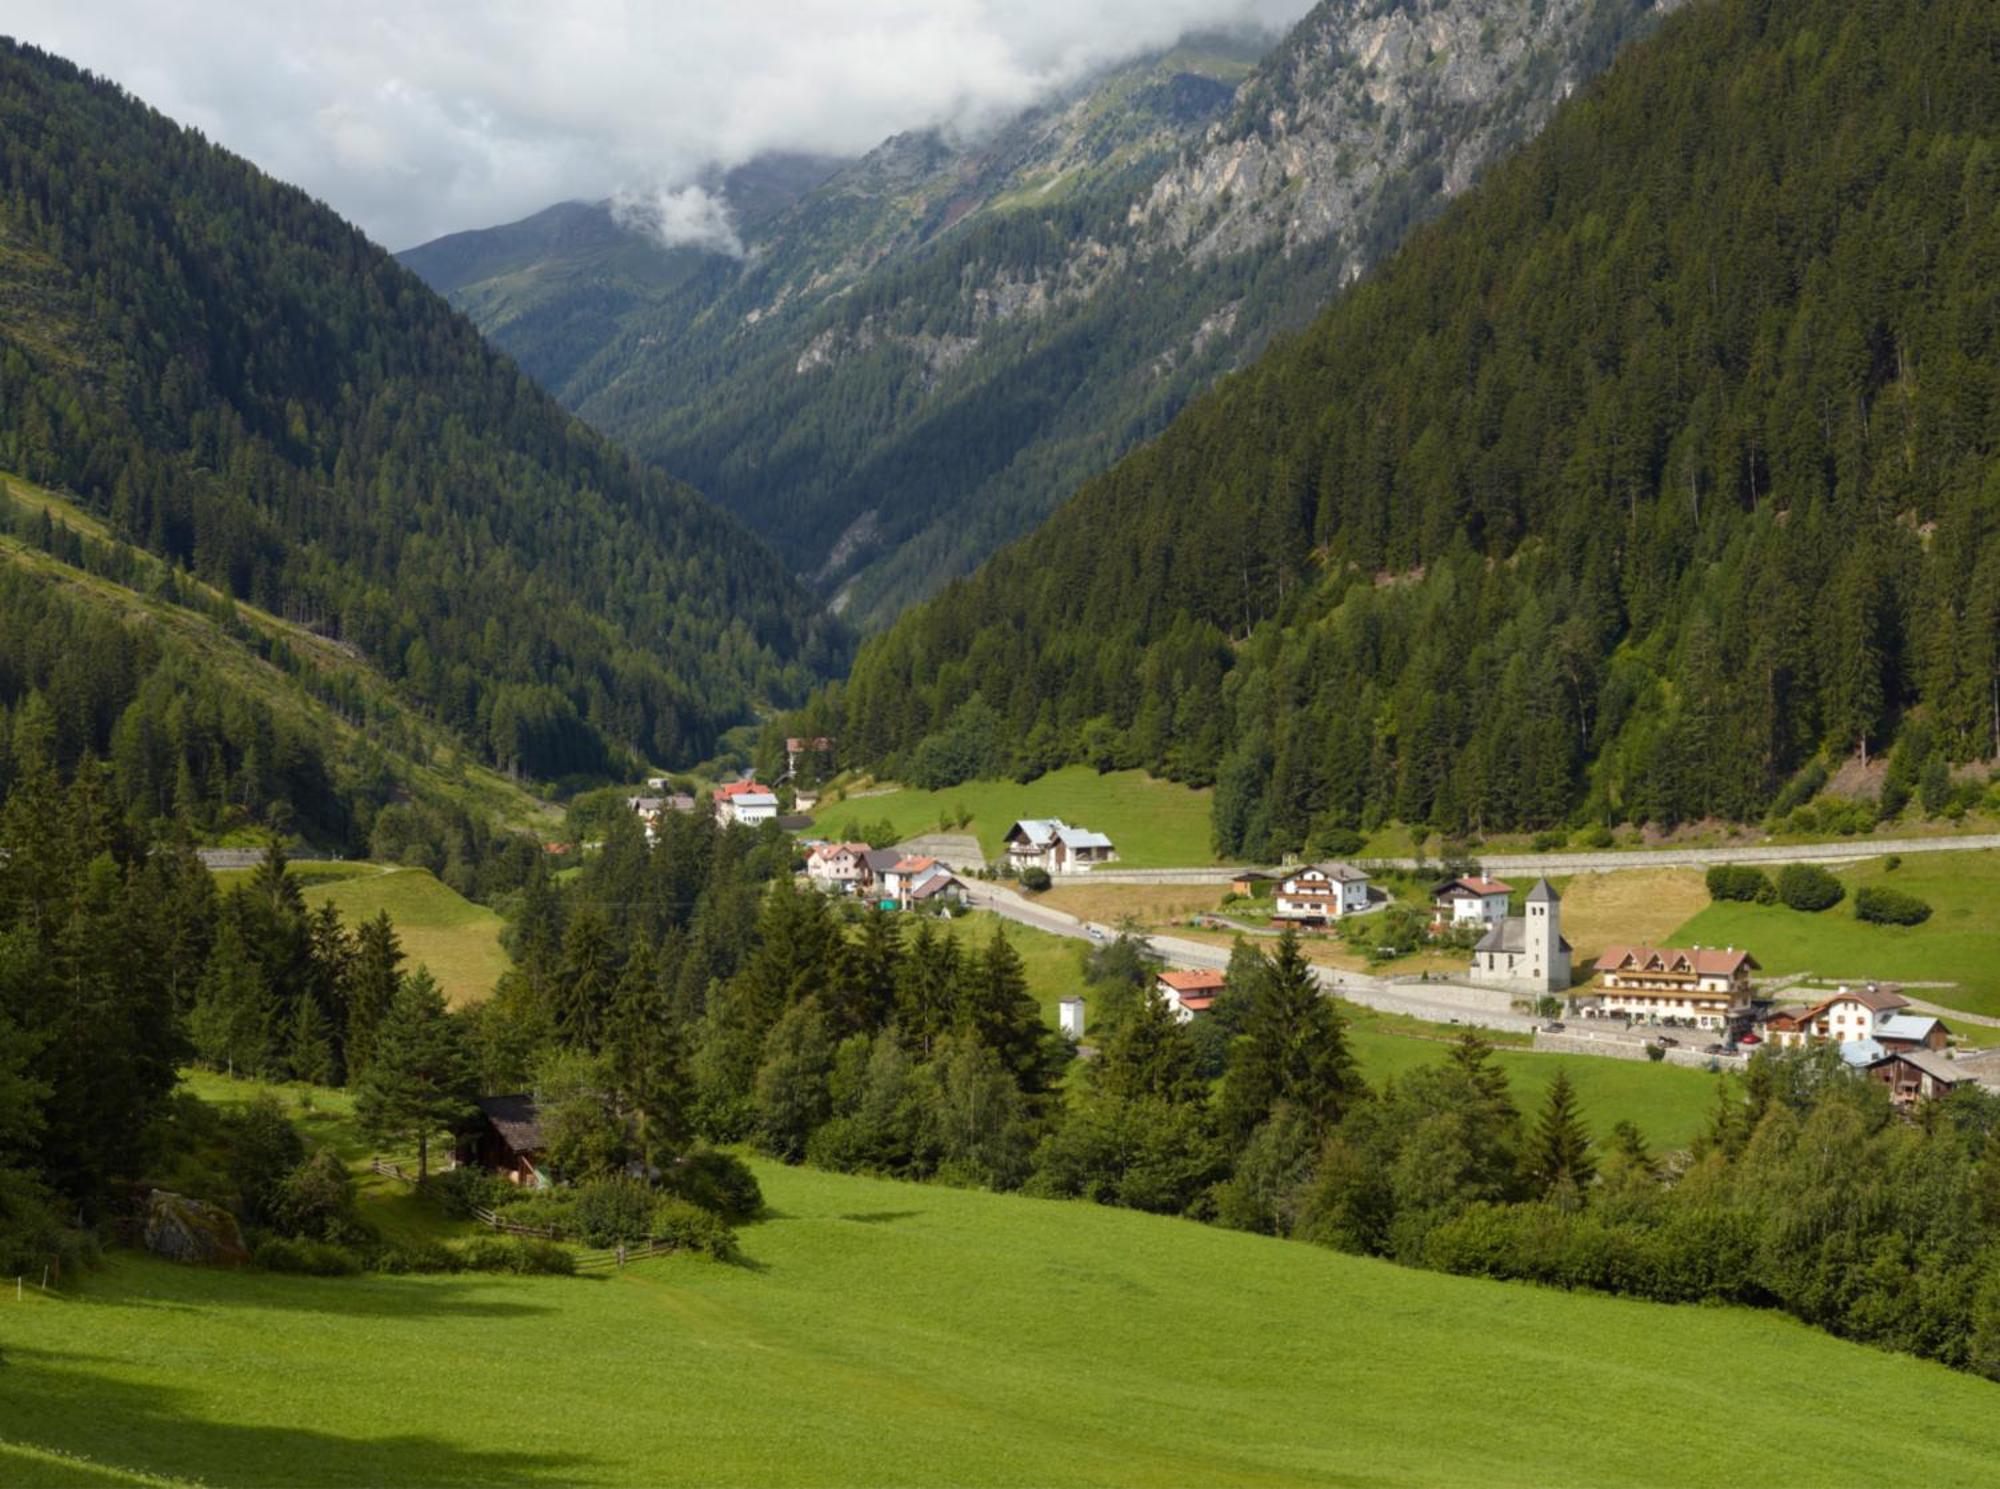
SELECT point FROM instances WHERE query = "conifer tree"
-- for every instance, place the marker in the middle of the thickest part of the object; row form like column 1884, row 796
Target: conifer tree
column 419, row 1079
column 372, row 979
column 1558, row 1153
column 1294, row 1050
column 996, row 1007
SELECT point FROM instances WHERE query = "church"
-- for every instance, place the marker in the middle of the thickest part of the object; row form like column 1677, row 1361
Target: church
column 1526, row 954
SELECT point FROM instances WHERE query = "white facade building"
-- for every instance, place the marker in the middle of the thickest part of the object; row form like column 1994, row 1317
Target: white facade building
column 1526, row 953
column 1321, row 894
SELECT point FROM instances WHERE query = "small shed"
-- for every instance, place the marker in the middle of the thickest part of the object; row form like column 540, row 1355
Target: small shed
column 1069, row 1014
column 507, row 1140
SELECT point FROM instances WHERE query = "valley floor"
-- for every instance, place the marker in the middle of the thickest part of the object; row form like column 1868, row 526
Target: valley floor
column 889, row 1333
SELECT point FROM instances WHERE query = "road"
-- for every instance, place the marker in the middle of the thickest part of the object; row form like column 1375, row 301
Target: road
column 1436, row 1003
column 1841, row 851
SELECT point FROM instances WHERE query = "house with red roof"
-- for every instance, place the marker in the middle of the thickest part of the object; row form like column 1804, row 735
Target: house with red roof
column 745, row 801
column 1469, row 901
column 1189, row 993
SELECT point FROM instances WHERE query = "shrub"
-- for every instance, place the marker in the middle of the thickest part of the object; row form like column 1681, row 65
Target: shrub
column 307, row 1258
column 1548, row 842
column 715, row 1181
column 1889, row 907
column 545, row 1209
column 1035, row 879
column 612, row 1210
column 522, row 1257
column 1739, row 881
column 1656, row 1052
column 688, row 1227
column 1807, row 886
column 1341, row 842
column 462, row 1190
column 1597, row 835
column 400, row 1257
column 1893, row 862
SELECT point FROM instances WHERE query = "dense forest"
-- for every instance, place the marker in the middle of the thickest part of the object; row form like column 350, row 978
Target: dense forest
column 235, row 379
column 1657, row 474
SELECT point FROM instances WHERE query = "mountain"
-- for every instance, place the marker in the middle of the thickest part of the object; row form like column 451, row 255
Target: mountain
column 914, row 362
column 1656, row 482
column 225, row 374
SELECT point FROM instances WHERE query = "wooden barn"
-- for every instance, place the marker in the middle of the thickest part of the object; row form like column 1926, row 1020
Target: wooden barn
column 507, row 1140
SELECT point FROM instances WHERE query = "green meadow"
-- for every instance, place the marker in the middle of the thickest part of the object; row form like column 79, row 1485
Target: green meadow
column 459, row 941
column 885, row 1333
column 1153, row 823
column 1959, row 944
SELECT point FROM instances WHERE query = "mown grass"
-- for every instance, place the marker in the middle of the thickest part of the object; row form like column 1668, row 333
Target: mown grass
column 1153, row 823
column 1957, row 944
column 442, row 930
column 887, row 1333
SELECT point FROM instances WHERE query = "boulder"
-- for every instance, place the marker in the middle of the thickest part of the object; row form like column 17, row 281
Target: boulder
column 188, row 1230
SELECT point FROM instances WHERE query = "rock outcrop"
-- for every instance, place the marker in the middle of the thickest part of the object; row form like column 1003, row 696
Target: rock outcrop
column 190, row 1230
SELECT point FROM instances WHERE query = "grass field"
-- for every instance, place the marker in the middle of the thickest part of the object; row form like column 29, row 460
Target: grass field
column 1642, row 905
column 894, row 1334
column 1054, row 963
column 1960, row 943
column 441, row 929
column 1154, row 824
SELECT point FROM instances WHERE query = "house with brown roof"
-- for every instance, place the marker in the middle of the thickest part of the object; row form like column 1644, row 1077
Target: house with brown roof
column 1705, row 985
column 1469, row 901
column 1848, row 1015
column 1189, row 993
column 839, row 867
column 507, row 1140
column 1320, row 894
column 1912, row 1075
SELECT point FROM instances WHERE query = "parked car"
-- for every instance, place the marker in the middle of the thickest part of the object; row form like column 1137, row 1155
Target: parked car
column 1751, row 1039
column 1553, row 1028
column 1715, row 1049
column 1668, row 1039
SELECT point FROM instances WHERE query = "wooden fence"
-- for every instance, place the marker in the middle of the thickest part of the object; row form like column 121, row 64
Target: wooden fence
column 586, row 1261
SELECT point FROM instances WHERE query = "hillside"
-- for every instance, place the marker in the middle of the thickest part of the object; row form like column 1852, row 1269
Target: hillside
column 227, row 374
column 851, row 1350
column 1660, row 470
column 915, row 361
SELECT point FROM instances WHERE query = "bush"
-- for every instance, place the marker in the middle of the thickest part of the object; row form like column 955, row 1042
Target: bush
column 1597, row 835
column 306, row 1258
column 524, row 1258
column 1656, row 1052
column 612, row 1210
column 1893, row 862
column 462, row 1190
column 1548, row 842
column 1807, row 886
column 402, row 1257
column 545, row 1209
column 1035, row 880
column 720, row 1182
column 687, row 1227
column 1889, row 907
column 1739, row 881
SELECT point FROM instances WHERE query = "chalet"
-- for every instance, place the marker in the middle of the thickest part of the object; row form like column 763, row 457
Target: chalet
column 841, row 867
column 875, row 866
column 649, row 809
column 1850, row 1014
column 1189, row 993
column 1912, row 1031
column 1707, row 985
column 1246, row 882
column 935, row 886
column 1321, row 894
column 506, row 1141
column 1051, row 844
column 745, row 801
column 1525, row 953
column 1912, row 1075
column 1469, row 901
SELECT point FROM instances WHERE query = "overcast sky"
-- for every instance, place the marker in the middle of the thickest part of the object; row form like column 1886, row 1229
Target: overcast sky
column 420, row 117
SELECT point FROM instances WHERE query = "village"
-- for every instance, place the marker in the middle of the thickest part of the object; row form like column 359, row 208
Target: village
column 1688, row 1005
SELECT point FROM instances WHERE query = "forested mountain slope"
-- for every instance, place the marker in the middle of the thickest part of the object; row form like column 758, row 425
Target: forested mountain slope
column 229, row 375
column 918, row 359
column 1661, row 467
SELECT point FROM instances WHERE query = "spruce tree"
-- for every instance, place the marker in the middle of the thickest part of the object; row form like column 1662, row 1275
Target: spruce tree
column 1294, row 1050
column 999, row 1011
column 420, row 1078
column 372, row 979
column 1558, row 1154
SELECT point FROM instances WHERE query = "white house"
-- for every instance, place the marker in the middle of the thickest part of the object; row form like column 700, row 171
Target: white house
column 1705, row 984
column 1849, row 1015
column 1189, row 993
column 1526, row 953
column 1052, row 844
column 1321, row 894
column 745, row 801
column 841, row 867
column 1469, row 901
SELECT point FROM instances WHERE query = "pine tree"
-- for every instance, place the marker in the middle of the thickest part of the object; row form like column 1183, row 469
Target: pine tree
column 1150, row 1054
column 372, row 980
column 996, row 1007
column 1294, row 1050
column 309, row 1048
column 419, row 1079
column 231, row 1023
column 1558, row 1154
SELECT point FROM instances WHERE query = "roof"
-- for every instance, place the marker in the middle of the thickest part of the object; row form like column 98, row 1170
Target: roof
column 1874, row 999
column 1246, row 876
column 1543, row 894
column 1934, row 1065
column 796, row 745
column 516, row 1119
column 647, row 804
column 1343, row 873
column 739, row 788
column 881, row 860
column 1916, row 1026
column 1471, row 885
column 834, row 850
column 1039, row 832
column 1511, row 935
column 916, row 865
column 1707, row 961
column 1205, row 980
column 936, row 881
column 1077, row 837
column 1862, row 1053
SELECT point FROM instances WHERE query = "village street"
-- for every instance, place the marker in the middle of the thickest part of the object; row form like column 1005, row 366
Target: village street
column 1434, row 1002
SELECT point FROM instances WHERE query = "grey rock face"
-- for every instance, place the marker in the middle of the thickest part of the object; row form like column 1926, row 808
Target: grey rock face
column 189, row 1230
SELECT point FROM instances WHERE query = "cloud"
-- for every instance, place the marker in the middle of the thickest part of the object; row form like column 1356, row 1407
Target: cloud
column 419, row 117
column 678, row 216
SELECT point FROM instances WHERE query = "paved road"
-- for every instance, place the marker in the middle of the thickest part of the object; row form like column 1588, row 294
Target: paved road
column 1841, row 851
column 1433, row 1002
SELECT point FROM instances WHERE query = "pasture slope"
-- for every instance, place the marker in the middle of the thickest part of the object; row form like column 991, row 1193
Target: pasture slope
column 1153, row 823
column 888, row 1333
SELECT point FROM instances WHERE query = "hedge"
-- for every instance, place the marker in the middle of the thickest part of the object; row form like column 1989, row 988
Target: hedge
column 1889, row 907
column 1739, row 881
column 1807, row 886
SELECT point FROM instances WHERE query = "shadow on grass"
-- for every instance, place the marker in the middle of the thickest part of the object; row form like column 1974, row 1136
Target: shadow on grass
column 60, row 1402
column 881, row 1217
column 370, row 1294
